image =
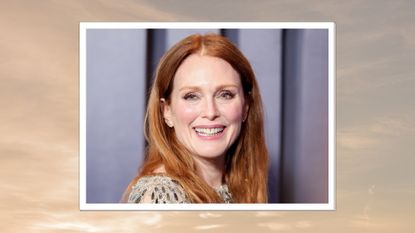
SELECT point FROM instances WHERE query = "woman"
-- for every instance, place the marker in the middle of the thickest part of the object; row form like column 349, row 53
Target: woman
column 204, row 127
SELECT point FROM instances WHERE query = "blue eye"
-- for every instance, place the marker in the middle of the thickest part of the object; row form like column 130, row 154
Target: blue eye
column 226, row 94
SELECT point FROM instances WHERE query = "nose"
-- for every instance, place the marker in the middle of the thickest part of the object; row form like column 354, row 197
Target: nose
column 210, row 109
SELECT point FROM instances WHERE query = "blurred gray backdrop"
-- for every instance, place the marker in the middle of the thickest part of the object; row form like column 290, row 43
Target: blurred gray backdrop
column 291, row 66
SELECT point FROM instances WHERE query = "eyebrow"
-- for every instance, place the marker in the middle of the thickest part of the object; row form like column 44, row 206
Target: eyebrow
column 198, row 88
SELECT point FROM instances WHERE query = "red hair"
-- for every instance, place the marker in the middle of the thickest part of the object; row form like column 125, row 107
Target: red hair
column 246, row 162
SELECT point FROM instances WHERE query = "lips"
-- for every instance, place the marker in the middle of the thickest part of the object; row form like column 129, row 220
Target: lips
column 209, row 131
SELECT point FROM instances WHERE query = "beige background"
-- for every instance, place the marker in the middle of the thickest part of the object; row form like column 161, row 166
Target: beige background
column 39, row 116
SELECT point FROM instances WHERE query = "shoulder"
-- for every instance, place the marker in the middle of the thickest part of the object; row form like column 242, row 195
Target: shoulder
column 157, row 189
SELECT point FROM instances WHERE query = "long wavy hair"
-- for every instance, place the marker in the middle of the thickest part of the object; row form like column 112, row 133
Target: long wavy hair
column 246, row 161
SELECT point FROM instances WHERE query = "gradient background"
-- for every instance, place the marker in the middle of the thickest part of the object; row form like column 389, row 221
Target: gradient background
column 39, row 100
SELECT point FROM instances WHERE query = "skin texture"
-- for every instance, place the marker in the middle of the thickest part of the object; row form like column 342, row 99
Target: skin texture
column 207, row 95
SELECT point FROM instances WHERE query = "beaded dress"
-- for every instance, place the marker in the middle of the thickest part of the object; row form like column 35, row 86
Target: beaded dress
column 160, row 189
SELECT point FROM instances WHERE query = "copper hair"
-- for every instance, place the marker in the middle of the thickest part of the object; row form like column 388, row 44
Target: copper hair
column 246, row 161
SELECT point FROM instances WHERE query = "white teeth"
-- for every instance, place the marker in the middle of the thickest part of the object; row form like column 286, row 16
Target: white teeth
column 208, row 131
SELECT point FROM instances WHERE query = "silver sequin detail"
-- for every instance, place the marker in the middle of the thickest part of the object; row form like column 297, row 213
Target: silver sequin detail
column 159, row 189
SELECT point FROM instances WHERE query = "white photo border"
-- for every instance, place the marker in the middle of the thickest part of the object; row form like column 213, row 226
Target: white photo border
column 330, row 205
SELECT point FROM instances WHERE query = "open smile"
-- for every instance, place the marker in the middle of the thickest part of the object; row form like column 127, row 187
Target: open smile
column 209, row 131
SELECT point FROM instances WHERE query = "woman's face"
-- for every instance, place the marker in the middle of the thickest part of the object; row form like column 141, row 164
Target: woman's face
column 206, row 106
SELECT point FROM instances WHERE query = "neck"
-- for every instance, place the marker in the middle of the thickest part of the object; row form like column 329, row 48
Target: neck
column 211, row 170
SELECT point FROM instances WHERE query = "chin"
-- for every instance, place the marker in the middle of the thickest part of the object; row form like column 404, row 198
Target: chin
column 210, row 154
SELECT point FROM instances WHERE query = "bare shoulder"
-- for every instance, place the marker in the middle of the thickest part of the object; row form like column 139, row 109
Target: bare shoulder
column 157, row 189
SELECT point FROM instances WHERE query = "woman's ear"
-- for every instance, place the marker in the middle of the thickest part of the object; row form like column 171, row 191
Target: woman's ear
column 246, row 110
column 166, row 112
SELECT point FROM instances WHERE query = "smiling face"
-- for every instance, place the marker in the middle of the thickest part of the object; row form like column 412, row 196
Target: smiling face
column 206, row 106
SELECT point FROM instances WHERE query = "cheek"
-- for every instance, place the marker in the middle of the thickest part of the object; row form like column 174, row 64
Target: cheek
column 185, row 113
column 233, row 112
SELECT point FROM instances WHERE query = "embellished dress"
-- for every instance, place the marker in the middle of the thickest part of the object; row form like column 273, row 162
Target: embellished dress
column 160, row 189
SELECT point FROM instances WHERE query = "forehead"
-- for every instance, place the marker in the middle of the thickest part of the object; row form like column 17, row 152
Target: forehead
column 201, row 70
